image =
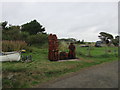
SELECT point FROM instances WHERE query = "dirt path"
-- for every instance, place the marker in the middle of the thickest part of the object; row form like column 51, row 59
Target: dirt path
column 99, row 76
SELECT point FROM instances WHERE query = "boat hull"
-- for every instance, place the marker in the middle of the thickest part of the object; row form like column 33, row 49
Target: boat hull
column 10, row 57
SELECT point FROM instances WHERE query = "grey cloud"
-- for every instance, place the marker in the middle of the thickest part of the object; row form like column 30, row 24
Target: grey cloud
column 79, row 20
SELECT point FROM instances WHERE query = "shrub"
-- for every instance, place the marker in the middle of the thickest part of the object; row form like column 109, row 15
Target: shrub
column 63, row 46
column 24, row 36
column 13, row 45
column 14, row 35
column 37, row 39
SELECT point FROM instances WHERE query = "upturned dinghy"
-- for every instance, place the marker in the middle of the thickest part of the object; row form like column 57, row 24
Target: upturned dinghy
column 10, row 56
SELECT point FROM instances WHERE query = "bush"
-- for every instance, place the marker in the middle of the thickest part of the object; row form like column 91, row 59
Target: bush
column 37, row 39
column 63, row 46
column 24, row 36
column 115, row 42
column 14, row 35
column 13, row 45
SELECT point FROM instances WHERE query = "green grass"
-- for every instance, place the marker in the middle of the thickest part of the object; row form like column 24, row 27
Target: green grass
column 30, row 74
column 98, row 53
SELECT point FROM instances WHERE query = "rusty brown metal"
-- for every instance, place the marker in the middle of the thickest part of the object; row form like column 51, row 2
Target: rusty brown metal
column 54, row 55
column 71, row 54
column 53, row 47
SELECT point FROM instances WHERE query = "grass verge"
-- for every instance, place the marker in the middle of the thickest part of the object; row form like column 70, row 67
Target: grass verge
column 28, row 75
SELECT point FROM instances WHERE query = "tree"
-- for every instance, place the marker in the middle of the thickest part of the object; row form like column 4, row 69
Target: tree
column 82, row 42
column 72, row 40
column 37, row 39
column 106, row 37
column 11, row 33
column 33, row 27
column 4, row 25
column 11, row 27
column 24, row 36
column 78, row 42
column 68, row 40
column 116, row 41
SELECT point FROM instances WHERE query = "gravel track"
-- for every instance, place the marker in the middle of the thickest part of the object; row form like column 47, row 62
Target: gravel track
column 100, row 76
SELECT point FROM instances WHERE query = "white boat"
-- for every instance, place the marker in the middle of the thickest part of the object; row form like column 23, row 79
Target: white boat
column 10, row 56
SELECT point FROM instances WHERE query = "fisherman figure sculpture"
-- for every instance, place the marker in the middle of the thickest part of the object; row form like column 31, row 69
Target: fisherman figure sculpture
column 71, row 54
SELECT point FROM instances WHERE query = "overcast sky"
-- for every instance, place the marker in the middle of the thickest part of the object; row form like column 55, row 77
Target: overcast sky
column 80, row 20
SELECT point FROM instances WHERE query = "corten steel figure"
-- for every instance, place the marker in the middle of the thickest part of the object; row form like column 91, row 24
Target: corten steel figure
column 71, row 54
column 53, row 47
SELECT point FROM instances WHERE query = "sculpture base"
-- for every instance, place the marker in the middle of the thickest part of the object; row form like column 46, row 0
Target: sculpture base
column 77, row 59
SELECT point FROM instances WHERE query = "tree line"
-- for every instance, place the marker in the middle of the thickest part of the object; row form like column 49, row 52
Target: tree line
column 32, row 32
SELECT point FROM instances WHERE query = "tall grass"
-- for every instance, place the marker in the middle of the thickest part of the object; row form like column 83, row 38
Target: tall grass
column 13, row 45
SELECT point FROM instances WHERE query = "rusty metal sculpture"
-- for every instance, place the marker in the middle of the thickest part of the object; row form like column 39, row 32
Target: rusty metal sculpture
column 53, row 47
column 63, row 56
column 54, row 55
column 71, row 54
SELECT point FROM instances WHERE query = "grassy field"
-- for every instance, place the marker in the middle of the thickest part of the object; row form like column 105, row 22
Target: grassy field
column 31, row 74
